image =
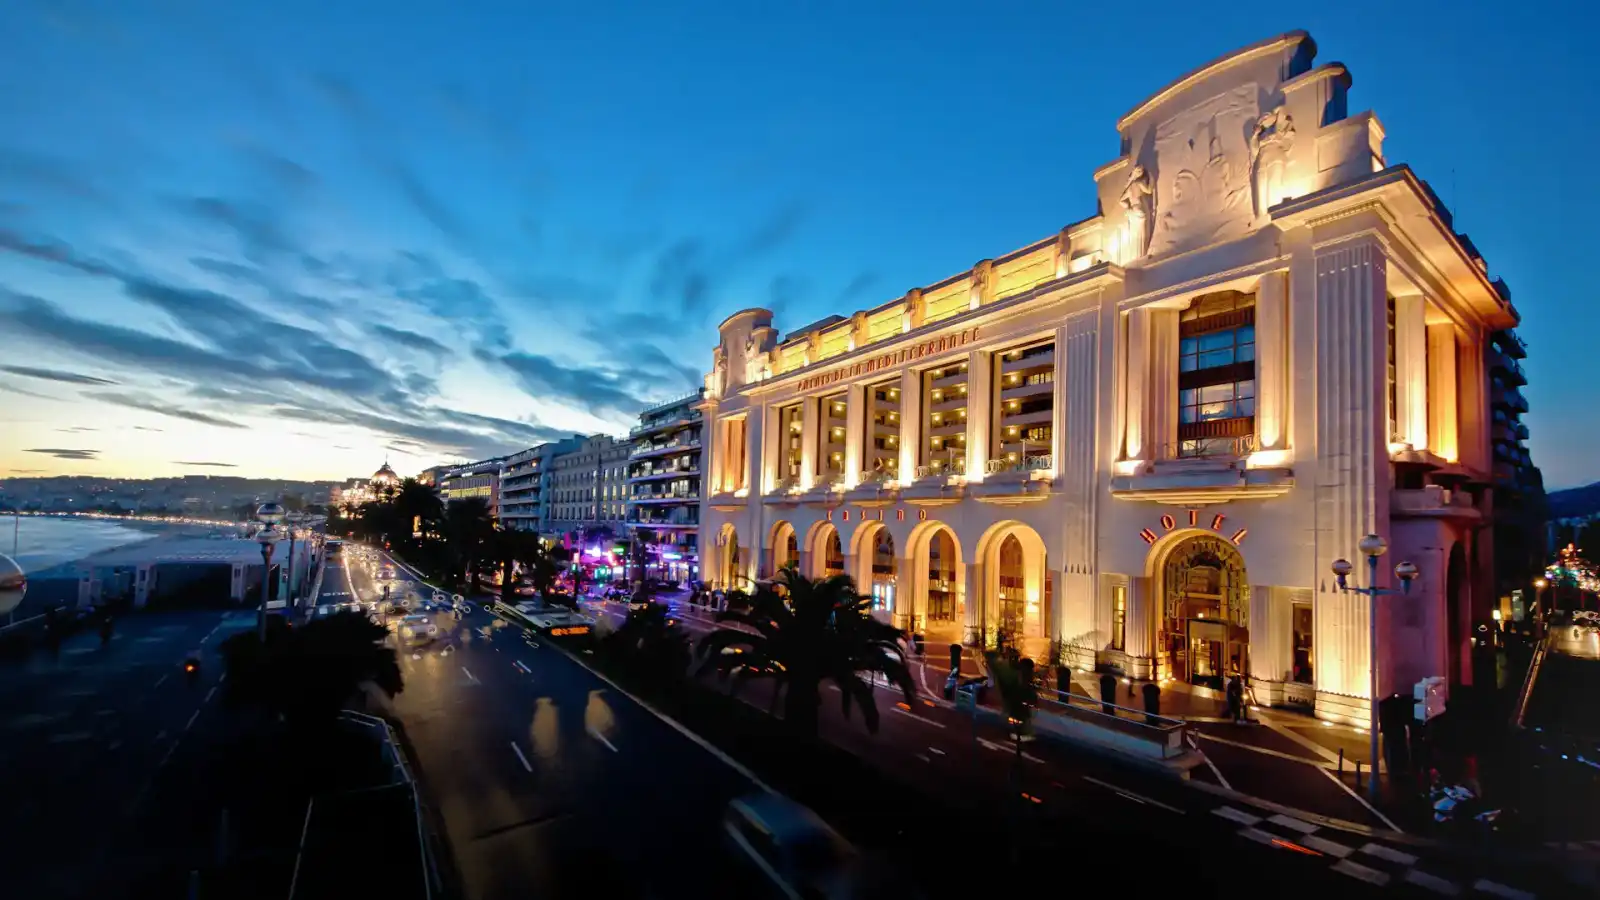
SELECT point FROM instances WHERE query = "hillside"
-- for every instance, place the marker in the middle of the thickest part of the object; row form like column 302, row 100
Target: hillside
column 1579, row 501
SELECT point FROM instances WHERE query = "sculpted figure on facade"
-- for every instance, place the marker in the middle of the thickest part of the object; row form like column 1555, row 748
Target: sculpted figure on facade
column 718, row 379
column 1138, row 202
column 1270, row 144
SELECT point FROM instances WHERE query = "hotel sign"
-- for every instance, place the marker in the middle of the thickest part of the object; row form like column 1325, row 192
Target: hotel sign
column 890, row 360
column 1169, row 522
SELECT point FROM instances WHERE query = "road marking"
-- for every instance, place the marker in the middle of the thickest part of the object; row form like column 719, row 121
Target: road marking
column 1004, row 749
column 1266, row 752
column 602, row 739
column 1332, row 848
column 163, row 762
column 917, row 717
column 518, row 751
column 1358, row 871
column 1363, row 801
column 71, row 737
column 1212, row 765
column 162, row 680
column 1137, row 798
column 1292, row 823
column 192, row 716
column 159, row 735
column 209, row 695
column 1433, row 883
column 924, row 757
column 470, row 677
column 1388, row 853
column 1234, row 815
column 1500, row 890
column 519, row 664
column 936, row 750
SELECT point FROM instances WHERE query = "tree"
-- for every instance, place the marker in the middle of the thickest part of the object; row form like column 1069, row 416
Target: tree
column 525, row 551
column 652, row 643
column 307, row 674
column 1013, row 679
column 805, row 632
column 468, row 529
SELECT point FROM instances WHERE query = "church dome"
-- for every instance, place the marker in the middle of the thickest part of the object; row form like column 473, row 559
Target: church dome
column 385, row 474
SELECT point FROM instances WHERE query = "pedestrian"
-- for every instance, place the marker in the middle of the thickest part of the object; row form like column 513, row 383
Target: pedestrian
column 1235, row 693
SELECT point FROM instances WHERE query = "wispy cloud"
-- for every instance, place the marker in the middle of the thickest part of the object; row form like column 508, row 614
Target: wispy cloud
column 60, row 453
column 215, row 465
column 76, row 429
column 150, row 404
column 55, row 375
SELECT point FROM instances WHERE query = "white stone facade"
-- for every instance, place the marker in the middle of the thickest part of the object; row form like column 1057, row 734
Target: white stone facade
column 1171, row 419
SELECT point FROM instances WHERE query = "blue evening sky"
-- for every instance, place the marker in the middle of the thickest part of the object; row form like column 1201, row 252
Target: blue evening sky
column 291, row 238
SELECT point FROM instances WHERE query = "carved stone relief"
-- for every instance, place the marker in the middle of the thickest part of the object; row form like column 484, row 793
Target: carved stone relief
column 1270, row 144
column 1137, row 201
column 1203, row 168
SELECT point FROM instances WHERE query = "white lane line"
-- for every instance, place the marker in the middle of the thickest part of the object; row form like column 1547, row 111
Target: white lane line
column 924, row 757
column 192, row 716
column 1358, row 871
column 1433, row 883
column 1363, row 801
column 470, row 677
column 525, row 670
column 1388, row 854
column 1323, row 845
column 518, row 751
column 159, row 735
column 1293, row 824
column 936, row 750
column 1234, row 815
column 223, row 678
column 911, row 715
column 1002, row 748
column 163, row 761
column 1137, row 798
column 162, row 680
column 1213, row 766
column 209, row 695
column 1500, row 890
column 602, row 739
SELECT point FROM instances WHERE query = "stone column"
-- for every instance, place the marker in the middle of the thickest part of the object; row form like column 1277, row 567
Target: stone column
column 980, row 388
column 1411, row 371
column 750, row 476
column 975, row 597
column 772, row 449
column 1472, row 403
column 1135, row 439
column 1077, row 399
column 1272, row 376
column 856, row 401
column 1161, row 390
column 1443, row 427
column 1352, row 496
column 904, row 591
column 910, row 424
column 1139, row 626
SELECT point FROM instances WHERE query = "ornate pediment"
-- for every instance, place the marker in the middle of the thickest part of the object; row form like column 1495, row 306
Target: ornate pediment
column 1203, row 190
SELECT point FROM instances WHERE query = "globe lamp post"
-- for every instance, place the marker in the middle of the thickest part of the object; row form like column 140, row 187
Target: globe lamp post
column 269, row 514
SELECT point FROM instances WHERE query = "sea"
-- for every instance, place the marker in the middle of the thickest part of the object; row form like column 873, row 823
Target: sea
column 43, row 543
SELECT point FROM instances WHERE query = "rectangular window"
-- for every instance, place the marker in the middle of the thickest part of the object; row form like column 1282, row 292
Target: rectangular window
column 1024, row 406
column 832, row 421
column 1303, row 644
column 944, row 417
column 1216, row 376
column 791, row 428
column 880, row 459
column 1119, row 616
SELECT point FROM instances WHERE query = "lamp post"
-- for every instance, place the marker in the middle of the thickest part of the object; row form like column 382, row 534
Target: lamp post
column 1539, row 584
column 1372, row 546
column 292, row 521
column 269, row 514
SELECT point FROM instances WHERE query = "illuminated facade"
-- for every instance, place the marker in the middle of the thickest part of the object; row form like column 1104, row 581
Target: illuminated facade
column 356, row 493
column 1142, row 441
column 664, row 483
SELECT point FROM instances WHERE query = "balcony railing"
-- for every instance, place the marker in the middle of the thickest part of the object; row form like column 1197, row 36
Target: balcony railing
column 942, row 468
column 648, row 449
column 1041, row 463
column 1209, row 448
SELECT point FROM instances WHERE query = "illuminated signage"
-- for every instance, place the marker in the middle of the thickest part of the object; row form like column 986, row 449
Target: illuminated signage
column 1214, row 522
column 894, row 358
column 569, row 631
column 865, row 515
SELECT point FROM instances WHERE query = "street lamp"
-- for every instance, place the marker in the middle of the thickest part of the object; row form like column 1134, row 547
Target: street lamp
column 1539, row 584
column 269, row 514
column 1372, row 546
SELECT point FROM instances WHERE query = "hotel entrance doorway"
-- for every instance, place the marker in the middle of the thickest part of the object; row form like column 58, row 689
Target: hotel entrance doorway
column 1205, row 626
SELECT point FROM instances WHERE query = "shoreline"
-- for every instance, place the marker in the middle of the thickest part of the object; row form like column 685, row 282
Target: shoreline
column 152, row 530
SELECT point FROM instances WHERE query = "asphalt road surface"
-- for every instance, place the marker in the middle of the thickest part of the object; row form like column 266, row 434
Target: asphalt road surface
column 89, row 739
column 549, row 781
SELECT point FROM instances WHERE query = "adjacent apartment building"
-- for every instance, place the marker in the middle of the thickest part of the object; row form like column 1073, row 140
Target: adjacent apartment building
column 588, row 486
column 664, row 483
column 1143, row 441
column 476, row 479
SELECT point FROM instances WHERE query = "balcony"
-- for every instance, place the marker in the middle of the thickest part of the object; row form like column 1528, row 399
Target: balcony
column 947, row 402
column 937, row 483
column 825, row 489
column 645, row 451
column 665, row 497
column 656, row 518
column 658, row 474
column 1433, row 502
column 1024, row 419
column 949, row 379
column 874, row 489
column 677, row 420
column 1033, row 363
column 1213, row 472
column 1026, row 390
column 1011, row 482
column 948, row 429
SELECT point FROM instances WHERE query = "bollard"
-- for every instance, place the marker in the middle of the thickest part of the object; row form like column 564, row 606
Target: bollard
column 1358, row 773
column 1341, row 762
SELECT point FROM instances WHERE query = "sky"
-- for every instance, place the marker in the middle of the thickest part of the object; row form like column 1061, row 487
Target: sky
column 292, row 239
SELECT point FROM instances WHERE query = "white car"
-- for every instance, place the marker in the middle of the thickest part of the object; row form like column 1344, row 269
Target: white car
column 418, row 628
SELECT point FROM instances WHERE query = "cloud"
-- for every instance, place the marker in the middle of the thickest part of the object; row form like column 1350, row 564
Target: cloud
column 76, row 429
column 572, row 384
column 150, row 404
column 55, row 375
column 13, row 389
column 466, row 433
column 145, row 428
column 60, row 453
column 856, row 288
column 411, row 340
column 216, row 465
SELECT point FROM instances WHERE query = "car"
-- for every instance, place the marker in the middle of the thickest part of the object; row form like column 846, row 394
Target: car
column 418, row 628
column 792, row 848
column 397, row 608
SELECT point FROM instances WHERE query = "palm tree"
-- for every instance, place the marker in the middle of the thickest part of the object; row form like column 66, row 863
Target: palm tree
column 652, row 643
column 307, row 674
column 809, row 632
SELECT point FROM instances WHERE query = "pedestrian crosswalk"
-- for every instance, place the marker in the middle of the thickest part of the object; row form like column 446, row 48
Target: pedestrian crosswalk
column 1370, row 861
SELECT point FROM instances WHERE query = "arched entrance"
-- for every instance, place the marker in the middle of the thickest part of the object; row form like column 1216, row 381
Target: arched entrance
column 877, row 570
column 729, row 572
column 784, row 546
column 935, row 580
column 1203, row 625
column 1015, row 586
column 827, row 553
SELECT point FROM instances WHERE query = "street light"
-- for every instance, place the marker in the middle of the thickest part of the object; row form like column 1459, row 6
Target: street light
column 1539, row 584
column 269, row 514
column 1372, row 546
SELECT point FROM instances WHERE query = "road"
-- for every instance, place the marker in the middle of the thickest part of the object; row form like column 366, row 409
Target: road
column 546, row 777
column 89, row 741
